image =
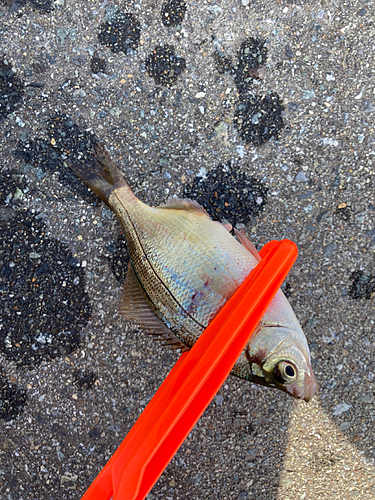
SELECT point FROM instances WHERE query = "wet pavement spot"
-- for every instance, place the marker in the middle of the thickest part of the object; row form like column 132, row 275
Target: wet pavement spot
column 40, row 5
column 164, row 66
column 39, row 65
column 11, row 90
column 118, row 257
column 84, row 379
column 227, row 193
column 97, row 64
column 287, row 289
column 344, row 212
column 371, row 235
column 259, row 118
column 251, row 58
column 223, row 63
column 65, row 141
column 44, row 302
column 12, row 398
column 12, row 187
column 120, row 32
column 94, row 433
column 79, row 60
column 362, row 286
column 173, row 12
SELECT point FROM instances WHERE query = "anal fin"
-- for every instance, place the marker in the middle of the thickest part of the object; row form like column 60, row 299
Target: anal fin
column 136, row 306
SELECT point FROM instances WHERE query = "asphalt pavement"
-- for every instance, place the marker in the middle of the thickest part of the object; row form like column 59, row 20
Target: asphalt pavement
column 262, row 111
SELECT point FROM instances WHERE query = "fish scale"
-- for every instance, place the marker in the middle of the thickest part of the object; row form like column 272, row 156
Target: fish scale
column 164, row 261
column 184, row 267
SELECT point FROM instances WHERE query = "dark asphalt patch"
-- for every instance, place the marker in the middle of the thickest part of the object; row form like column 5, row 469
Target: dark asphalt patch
column 12, row 398
column 44, row 303
column 11, row 90
column 118, row 257
column 344, row 212
column 258, row 118
column 41, row 5
column 97, row 64
column 94, row 433
column 84, row 379
column 251, row 56
column 227, row 193
column 287, row 289
column 362, row 286
column 39, row 65
column 223, row 63
column 12, row 185
column 65, row 141
column 121, row 32
column 164, row 66
column 173, row 12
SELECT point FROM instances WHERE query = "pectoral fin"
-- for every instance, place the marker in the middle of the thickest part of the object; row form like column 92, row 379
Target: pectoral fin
column 247, row 243
column 136, row 306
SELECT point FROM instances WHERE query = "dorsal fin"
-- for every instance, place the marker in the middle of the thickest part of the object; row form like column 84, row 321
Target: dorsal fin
column 247, row 243
column 184, row 204
column 136, row 306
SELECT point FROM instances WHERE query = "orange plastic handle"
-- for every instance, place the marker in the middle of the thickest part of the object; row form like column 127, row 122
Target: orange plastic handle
column 192, row 383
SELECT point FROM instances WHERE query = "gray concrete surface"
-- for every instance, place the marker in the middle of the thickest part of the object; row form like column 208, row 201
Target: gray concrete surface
column 268, row 104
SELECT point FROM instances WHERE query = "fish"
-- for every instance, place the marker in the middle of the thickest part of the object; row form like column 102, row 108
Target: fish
column 184, row 267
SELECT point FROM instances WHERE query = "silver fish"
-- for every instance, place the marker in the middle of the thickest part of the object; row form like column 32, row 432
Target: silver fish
column 184, row 267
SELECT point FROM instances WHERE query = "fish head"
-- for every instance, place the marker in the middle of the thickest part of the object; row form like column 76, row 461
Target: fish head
column 278, row 354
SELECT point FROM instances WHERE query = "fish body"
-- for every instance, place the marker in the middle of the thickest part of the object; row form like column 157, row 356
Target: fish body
column 184, row 267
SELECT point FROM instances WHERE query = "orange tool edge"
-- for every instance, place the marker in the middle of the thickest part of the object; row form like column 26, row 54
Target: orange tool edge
column 192, row 383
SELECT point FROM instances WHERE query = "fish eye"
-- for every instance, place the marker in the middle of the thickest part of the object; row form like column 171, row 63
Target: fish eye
column 285, row 372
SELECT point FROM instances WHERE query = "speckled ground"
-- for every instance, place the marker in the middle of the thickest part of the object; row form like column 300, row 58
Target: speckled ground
column 264, row 112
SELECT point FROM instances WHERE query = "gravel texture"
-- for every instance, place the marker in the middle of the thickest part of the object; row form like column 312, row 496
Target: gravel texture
column 264, row 112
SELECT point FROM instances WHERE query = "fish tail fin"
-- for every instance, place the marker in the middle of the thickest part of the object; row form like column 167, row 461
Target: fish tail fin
column 100, row 174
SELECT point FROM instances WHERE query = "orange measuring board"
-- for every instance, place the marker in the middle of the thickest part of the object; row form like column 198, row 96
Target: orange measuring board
column 192, row 383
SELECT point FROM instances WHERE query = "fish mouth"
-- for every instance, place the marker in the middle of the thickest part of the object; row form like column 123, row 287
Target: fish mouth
column 308, row 391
